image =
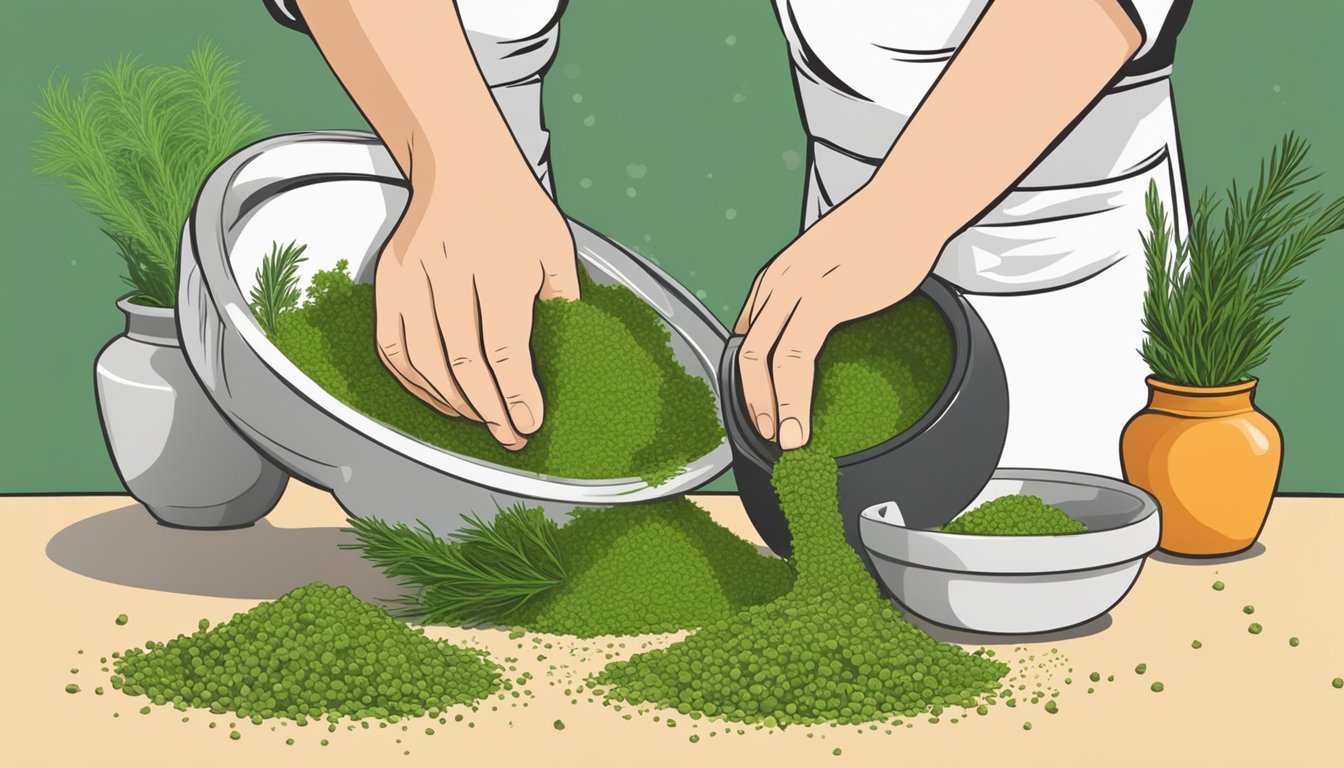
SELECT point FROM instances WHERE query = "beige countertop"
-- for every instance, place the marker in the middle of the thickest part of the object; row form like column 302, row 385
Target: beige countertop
column 74, row 562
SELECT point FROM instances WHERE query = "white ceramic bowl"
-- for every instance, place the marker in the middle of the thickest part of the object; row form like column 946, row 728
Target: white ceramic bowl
column 1020, row 584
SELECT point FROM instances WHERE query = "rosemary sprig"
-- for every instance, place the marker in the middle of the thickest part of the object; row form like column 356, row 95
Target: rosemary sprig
column 134, row 142
column 484, row 573
column 277, row 285
column 1209, row 309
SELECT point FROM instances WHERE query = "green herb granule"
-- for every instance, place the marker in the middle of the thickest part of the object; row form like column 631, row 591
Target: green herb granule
column 317, row 651
column 1338, row 682
column 657, row 567
column 1015, row 516
column 618, row 404
column 1218, row 586
column 1254, row 628
column 831, row 650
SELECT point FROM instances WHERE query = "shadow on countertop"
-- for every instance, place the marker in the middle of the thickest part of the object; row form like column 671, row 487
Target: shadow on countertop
column 963, row 637
column 126, row 546
column 1255, row 550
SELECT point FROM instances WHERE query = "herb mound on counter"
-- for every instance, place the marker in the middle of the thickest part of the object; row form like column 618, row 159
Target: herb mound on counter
column 832, row 649
column 629, row 570
column 318, row 651
column 1015, row 516
column 618, row 404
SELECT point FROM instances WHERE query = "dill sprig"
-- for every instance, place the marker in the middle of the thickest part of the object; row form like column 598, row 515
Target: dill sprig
column 277, row 285
column 481, row 575
column 1209, row 308
column 135, row 142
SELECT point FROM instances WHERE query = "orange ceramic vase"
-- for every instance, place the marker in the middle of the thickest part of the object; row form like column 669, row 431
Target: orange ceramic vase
column 1212, row 461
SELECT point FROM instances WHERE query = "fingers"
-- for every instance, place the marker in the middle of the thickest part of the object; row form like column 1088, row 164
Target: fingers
column 560, row 278
column 457, row 311
column 391, row 343
column 753, row 363
column 744, row 319
column 793, row 370
column 506, row 329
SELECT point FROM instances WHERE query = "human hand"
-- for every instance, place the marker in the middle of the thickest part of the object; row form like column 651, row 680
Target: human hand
column 454, row 293
column 852, row 263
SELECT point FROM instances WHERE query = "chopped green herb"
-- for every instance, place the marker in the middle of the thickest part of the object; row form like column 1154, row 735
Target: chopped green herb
column 1157, row 687
column 1254, row 628
column 122, row 619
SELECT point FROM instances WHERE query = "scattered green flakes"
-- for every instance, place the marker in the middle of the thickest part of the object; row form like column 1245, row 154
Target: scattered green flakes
column 122, row 619
column 324, row 742
column 144, row 710
column 429, row 731
column 1157, row 687
column 982, row 710
column 1052, row 707
column 1255, row 628
column 1091, row 690
column 1026, row 726
column 1095, row 677
column 1068, row 681
column 74, row 670
column 516, row 633
column 1248, row 610
column 203, row 624
column 1015, row 515
column 694, row 739
column 1294, row 642
column 559, row 725
column 98, row 691
column 1196, row 644
column 1338, row 682
column 72, row 688
column 235, row 735
column 837, row 751
column 1110, row 678
column 289, row 742
column 1218, row 586
column 1140, row 669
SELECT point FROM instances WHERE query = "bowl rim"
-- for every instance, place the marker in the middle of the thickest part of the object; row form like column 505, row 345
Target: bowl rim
column 979, row 554
column 221, row 289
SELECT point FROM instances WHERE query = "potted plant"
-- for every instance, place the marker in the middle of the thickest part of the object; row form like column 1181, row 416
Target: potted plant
column 1201, row 446
column 134, row 143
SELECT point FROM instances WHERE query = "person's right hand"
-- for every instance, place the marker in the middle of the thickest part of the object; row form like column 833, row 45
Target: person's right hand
column 454, row 293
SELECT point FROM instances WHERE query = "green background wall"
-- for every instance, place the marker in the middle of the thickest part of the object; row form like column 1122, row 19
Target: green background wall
column 688, row 104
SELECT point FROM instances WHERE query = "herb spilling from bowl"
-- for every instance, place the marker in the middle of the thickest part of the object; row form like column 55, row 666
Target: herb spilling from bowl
column 832, row 649
column 1014, row 515
column 619, row 404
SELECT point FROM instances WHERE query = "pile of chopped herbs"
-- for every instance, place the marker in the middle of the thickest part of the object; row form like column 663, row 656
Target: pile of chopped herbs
column 636, row 569
column 316, row 652
column 1015, row 516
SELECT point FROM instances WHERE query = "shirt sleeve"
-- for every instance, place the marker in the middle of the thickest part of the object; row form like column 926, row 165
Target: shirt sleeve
column 287, row 13
column 1158, row 21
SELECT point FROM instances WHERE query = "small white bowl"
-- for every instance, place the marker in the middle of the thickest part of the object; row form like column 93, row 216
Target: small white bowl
column 1020, row 584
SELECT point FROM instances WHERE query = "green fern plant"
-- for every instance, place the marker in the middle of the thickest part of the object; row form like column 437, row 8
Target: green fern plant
column 486, row 572
column 277, row 285
column 134, row 142
column 1209, row 311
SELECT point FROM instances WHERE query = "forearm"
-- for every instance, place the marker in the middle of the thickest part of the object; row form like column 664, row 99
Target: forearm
column 409, row 68
column 1025, row 73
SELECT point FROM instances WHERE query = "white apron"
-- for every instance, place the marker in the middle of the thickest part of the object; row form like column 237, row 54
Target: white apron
column 1056, row 270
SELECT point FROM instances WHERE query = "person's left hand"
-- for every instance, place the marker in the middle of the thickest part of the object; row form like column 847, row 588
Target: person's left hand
column 855, row 261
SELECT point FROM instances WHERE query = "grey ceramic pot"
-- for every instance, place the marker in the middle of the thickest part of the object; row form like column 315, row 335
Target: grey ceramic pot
column 172, row 449
column 930, row 471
